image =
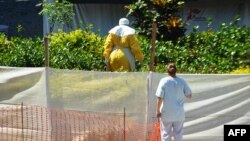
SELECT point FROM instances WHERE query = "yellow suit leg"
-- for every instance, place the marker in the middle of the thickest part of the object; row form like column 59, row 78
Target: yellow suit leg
column 119, row 61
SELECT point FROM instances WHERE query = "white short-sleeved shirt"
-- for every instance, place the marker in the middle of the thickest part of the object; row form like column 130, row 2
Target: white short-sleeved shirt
column 173, row 91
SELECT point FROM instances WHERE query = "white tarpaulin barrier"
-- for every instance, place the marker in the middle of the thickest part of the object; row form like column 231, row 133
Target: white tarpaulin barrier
column 218, row 100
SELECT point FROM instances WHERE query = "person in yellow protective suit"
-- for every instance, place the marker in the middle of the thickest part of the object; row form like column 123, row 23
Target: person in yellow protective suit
column 122, row 47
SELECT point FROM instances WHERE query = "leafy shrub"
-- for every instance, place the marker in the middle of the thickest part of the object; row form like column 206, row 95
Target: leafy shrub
column 79, row 49
column 205, row 52
column 21, row 52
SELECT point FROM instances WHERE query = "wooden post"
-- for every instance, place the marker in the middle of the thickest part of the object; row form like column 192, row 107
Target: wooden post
column 46, row 54
column 152, row 55
column 46, row 46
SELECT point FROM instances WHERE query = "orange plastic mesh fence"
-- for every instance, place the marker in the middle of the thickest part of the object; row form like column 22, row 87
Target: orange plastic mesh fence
column 38, row 123
column 155, row 135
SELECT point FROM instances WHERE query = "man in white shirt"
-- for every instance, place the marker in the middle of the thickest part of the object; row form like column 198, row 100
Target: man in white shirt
column 171, row 93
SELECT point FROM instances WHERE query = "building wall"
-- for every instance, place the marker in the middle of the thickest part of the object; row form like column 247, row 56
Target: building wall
column 24, row 13
column 197, row 12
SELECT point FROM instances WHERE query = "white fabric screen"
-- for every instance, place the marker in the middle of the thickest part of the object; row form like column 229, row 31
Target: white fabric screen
column 217, row 99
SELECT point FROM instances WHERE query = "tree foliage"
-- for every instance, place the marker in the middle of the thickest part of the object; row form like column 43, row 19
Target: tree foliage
column 164, row 12
column 59, row 11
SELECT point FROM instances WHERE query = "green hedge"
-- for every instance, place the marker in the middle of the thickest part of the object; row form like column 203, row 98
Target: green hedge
column 199, row 52
column 79, row 49
column 21, row 52
column 205, row 52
